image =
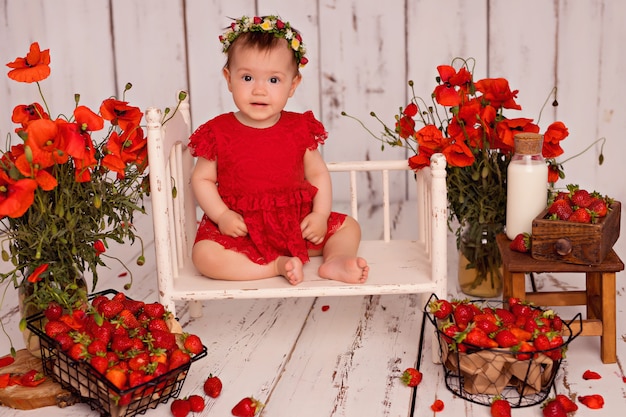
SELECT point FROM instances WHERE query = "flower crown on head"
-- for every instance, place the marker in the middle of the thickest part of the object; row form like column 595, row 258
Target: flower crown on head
column 270, row 24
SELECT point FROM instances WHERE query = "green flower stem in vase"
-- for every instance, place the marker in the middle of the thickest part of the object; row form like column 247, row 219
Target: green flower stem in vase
column 480, row 272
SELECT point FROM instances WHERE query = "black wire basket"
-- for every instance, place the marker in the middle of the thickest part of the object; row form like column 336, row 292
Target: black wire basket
column 479, row 374
column 92, row 388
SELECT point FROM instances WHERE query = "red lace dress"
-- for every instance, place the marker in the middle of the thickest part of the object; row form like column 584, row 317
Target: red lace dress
column 260, row 175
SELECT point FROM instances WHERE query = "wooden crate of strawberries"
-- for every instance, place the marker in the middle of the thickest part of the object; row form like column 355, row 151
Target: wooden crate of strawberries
column 577, row 227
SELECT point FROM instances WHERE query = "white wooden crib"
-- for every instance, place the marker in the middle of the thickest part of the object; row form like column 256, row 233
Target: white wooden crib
column 396, row 266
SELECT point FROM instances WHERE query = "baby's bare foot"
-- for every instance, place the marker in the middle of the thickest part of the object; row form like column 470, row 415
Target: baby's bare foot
column 351, row 270
column 290, row 268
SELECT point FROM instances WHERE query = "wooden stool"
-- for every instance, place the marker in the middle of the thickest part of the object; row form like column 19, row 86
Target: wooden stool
column 599, row 295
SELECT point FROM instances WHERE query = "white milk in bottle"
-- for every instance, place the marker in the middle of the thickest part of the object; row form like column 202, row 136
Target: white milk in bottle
column 527, row 184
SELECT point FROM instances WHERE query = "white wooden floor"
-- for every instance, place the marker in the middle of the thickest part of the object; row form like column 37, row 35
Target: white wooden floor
column 303, row 361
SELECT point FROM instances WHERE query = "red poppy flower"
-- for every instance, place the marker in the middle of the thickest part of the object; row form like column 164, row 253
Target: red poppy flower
column 421, row 159
column 552, row 138
column 15, row 196
column 405, row 127
column 99, row 247
column 120, row 113
column 458, row 154
column 36, row 275
column 32, row 68
column 554, row 173
column 87, row 120
column 410, row 110
column 23, row 114
column 498, row 93
column 43, row 137
column 430, row 137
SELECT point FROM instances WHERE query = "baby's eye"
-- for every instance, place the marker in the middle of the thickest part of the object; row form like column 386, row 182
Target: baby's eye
column 247, row 78
column 274, row 80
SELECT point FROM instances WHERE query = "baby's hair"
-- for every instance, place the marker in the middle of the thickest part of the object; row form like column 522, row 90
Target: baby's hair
column 263, row 33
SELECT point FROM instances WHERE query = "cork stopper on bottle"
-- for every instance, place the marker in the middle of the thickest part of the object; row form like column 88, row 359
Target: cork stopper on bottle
column 528, row 143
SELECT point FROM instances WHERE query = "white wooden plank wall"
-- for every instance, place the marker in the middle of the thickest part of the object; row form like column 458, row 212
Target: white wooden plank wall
column 361, row 55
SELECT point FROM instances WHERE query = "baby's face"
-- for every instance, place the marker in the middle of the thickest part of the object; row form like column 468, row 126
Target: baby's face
column 261, row 82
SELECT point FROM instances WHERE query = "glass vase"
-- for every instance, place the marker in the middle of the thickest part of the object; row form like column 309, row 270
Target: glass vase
column 32, row 300
column 480, row 266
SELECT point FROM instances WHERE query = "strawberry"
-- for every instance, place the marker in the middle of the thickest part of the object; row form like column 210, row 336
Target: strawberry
column 133, row 306
column 580, row 215
column 98, row 300
column 500, row 407
column 521, row 334
column 478, row 338
column 599, row 207
column 553, row 408
column 55, row 327
column 32, row 378
column 463, row 313
column 247, row 407
column 579, row 197
column 524, row 351
column 97, row 347
column 560, row 209
column 506, row 317
column 65, row 341
column 542, row 343
column 521, row 243
column 136, row 378
column 556, row 323
column 588, row 374
column 506, row 339
column 568, row 405
column 127, row 319
column 158, row 324
column 78, row 351
column 594, row 401
column 99, row 363
column 213, row 386
column 121, row 343
column 163, row 339
column 485, row 323
column 411, row 377
column 117, row 376
column 54, row 311
column 110, row 308
column 180, row 408
column 154, row 310
column 196, row 403
column 139, row 361
column 441, row 309
column 556, row 346
column 192, row 344
column 178, row 358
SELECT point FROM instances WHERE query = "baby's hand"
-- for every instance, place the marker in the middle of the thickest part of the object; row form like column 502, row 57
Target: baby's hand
column 231, row 224
column 314, row 227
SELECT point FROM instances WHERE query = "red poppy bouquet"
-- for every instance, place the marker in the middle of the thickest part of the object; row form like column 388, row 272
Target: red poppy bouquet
column 63, row 195
column 466, row 122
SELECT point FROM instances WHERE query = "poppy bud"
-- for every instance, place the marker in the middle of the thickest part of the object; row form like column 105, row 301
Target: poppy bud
column 141, row 260
column 28, row 152
column 97, row 201
column 5, row 255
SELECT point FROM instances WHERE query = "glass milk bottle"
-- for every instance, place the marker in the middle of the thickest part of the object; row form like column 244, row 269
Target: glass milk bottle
column 527, row 184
